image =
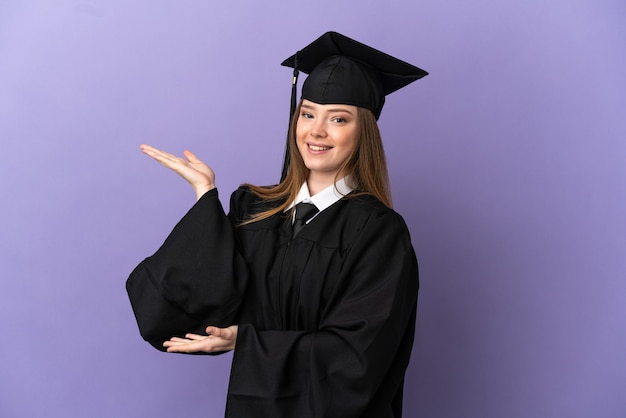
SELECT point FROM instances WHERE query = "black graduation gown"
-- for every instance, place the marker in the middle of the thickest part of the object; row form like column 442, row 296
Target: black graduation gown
column 326, row 320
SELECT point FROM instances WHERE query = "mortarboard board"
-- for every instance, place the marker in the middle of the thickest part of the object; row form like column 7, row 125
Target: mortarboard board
column 344, row 71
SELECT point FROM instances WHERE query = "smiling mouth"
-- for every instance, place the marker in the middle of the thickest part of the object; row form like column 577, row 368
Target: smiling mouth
column 318, row 148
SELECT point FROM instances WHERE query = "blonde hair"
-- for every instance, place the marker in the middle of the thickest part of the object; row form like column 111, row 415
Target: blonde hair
column 366, row 165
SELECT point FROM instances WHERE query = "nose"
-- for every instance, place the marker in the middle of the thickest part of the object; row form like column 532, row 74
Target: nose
column 318, row 129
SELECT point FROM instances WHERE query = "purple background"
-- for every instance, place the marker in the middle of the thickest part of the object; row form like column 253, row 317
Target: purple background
column 508, row 163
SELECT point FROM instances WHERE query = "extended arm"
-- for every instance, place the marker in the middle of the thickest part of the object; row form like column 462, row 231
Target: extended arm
column 199, row 175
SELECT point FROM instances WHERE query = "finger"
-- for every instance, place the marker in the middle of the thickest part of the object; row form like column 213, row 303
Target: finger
column 215, row 331
column 146, row 147
column 179, row 340
column 191, row 157
column 151, row 151
column 195, row 337
column 168, row 160
column 182, row 348
column 189, row 339
column 154, row 153
column 173, row 342
column 190, row 347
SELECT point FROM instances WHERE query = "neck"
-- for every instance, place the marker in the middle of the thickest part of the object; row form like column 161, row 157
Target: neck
column 316, row 182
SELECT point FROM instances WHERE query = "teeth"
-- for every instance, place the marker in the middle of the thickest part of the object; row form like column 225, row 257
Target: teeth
column 316, row 148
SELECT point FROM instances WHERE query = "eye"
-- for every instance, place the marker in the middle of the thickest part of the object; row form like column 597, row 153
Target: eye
column 306, row 115
column 339, row 119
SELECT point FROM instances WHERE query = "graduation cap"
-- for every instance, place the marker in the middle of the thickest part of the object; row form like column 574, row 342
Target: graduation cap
column 344, row 71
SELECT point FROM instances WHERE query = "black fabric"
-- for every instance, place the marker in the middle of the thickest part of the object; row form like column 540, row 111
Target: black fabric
column 196, row 278
column 326, row 319
column 344, row 71
column 304, row 212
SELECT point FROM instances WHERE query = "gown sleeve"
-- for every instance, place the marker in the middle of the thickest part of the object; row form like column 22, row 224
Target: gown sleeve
column 353, row 365
column 194, row 279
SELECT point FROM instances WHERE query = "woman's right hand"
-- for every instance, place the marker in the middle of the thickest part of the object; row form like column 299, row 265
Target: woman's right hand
column 197, row 173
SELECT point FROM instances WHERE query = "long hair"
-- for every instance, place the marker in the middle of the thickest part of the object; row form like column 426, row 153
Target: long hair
column 367, row 167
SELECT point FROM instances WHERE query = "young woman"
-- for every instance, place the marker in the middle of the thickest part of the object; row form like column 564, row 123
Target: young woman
column 312, row 282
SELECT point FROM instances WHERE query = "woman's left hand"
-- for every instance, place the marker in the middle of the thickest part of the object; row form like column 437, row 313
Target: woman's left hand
column 218, row 340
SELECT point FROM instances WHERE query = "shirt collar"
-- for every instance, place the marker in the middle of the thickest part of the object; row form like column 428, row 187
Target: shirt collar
column 326, row 197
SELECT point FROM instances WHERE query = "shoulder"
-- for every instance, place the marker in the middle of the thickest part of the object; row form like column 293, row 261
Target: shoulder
column 244, row 202
column 242, row 194
column 365, row 214
column 369, row 207
column 366, row 202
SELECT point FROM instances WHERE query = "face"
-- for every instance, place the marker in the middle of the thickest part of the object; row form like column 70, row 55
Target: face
column 326, row 136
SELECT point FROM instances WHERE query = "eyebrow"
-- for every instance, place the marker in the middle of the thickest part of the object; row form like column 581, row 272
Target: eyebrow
column 339, row 109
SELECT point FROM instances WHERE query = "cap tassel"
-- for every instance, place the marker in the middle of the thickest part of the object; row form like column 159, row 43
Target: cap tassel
column 292, row 110
column 294, row 93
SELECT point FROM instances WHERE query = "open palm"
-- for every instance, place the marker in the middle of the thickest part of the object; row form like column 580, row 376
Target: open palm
column 198, row 174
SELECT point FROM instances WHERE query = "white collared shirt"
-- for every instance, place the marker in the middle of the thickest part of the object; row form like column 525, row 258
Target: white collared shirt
column 325, row 198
